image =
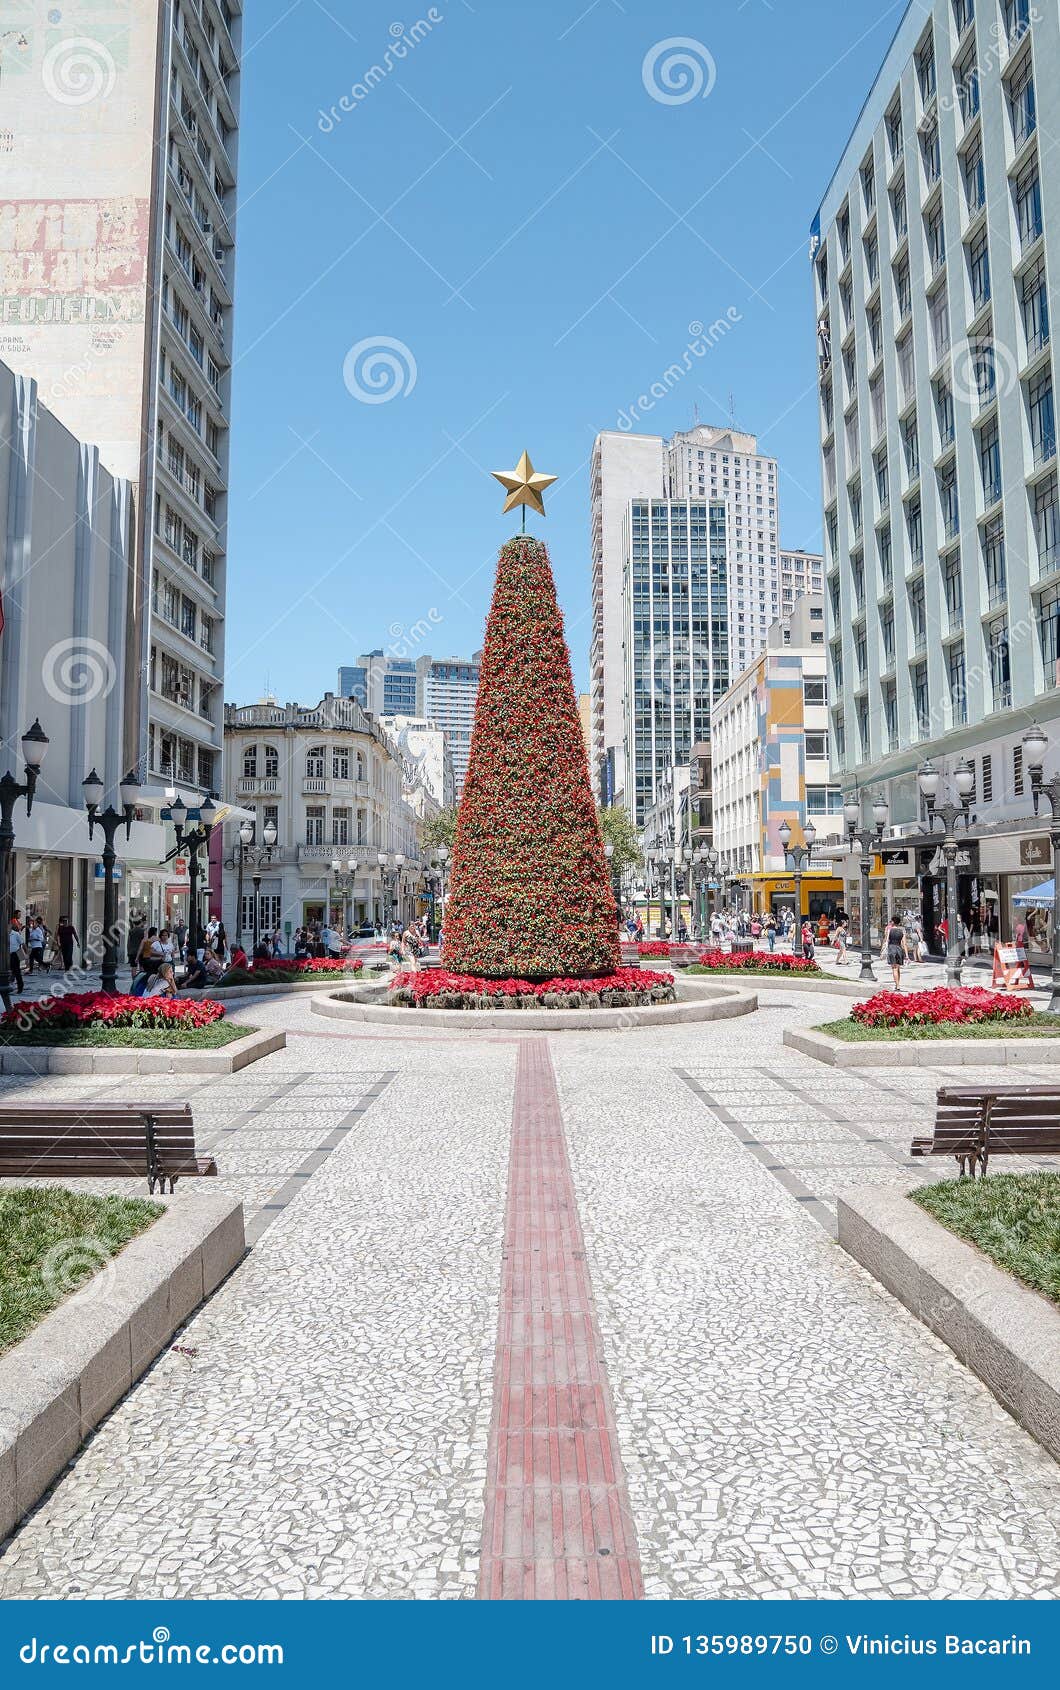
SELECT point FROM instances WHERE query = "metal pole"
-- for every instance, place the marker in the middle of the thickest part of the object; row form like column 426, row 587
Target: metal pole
column 867, row 971
column 1054, row 1001
column 109, row 968
column 239, row 891
column 8, row 794
column 953, row 956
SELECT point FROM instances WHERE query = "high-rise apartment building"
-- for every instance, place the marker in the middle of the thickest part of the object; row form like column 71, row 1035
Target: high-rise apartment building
column 384, row 685
column 676, row 638
column 448, row 692
column 719, row 466
column 800, row 573
column 936, row 253
column 116, row 279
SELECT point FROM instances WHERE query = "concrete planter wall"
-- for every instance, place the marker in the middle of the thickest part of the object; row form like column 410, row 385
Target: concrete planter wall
column 922, row 1053
column 59, row 1059
column 69, row 1372
column 1007, row 1334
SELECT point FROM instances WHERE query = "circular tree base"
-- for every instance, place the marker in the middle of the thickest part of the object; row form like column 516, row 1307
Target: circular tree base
column 696, row 1002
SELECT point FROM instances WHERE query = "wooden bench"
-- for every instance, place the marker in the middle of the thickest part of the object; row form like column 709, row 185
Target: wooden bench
column 152, row 1141
column 974, row 1123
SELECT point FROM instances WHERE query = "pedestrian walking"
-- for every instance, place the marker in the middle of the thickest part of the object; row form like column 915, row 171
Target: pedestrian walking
column 895, row 949
column 66, row 937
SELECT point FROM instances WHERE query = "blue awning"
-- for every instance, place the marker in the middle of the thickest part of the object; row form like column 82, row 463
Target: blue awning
column 1036, row 897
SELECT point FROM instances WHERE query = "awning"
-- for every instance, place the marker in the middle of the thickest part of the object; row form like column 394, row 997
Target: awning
column 1037, row 898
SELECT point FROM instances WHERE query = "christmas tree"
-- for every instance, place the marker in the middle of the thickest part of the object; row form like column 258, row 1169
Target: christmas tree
column 531, row 893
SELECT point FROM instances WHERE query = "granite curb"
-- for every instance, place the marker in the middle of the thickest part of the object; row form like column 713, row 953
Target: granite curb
column 1004, row 1332
column 70, row 1371
column 714, row 1002
column 922, row 1053
column 57, row 1059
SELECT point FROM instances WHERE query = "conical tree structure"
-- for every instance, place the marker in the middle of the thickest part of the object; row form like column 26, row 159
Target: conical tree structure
column 531, row 892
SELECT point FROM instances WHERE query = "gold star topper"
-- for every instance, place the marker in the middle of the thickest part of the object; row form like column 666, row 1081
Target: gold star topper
column 525, row 487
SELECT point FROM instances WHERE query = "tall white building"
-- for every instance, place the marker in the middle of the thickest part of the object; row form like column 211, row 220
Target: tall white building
column 936, row 262
column 117, row 240
column 447, row 692
column 720, row 466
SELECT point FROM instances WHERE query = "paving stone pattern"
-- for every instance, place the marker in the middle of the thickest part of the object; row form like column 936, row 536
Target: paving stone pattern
column 782, row 1425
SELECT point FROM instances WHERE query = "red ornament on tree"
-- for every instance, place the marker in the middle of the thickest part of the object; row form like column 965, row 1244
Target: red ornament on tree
column 531, row 891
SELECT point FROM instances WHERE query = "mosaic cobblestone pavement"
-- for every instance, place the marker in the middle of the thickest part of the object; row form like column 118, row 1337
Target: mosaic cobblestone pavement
column 776, row 1423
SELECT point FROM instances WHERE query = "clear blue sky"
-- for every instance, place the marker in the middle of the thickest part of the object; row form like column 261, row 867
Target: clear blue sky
column 511, row 205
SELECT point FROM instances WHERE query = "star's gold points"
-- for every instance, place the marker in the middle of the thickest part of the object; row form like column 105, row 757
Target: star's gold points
column 524, row 485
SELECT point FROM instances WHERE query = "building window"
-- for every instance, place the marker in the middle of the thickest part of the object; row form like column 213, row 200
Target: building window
column 951, row 516
column 1042, row 419
column 974, row 179
column 915, row 529
column 990, row 462
column 1022, row 105
column 1029, row 205
column 1047, row 525
column 1000, row 672
column 994, row 561
column 954, row 592
column 1034, row 304
column 1049, row 634
column 967, row 77
column 895, row 141
column 979, row 270
column 955, row 676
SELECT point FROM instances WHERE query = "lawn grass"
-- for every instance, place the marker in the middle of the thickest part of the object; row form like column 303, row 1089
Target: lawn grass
column 1036, row 1026
column 129, row 1038
column 51, row 1242
column 1013, row 1218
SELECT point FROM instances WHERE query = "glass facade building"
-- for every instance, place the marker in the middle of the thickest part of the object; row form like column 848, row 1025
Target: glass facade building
column 676, row 637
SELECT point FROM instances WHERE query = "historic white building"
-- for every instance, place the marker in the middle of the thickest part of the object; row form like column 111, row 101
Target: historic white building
column 331, row 780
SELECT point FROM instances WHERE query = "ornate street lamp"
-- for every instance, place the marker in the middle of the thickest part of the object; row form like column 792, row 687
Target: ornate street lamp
column 800, row 856
column 110, row 820
column 191, row 843
column 247, row 852
column 34, row 745
column 869, row 840
column 1035, row 746
column 948, row 815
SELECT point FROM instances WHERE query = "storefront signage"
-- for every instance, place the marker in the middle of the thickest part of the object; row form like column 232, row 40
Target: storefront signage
column 891, row 859
column 1035, row 852
column 930, row 859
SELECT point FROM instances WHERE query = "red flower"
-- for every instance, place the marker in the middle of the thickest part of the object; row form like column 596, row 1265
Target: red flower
column 84, row 1009
column 941, row 1005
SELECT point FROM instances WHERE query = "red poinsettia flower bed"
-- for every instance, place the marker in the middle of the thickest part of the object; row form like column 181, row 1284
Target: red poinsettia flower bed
column 84, row 1009
column 309, row 965
column 780, row 964
column 435, row 988
column 942, row 1004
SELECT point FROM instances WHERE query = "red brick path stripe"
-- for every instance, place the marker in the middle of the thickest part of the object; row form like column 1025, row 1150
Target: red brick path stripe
column 558, row 1522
